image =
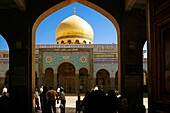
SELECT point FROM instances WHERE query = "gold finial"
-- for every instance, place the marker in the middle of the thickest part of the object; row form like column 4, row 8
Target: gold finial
column 74, row 10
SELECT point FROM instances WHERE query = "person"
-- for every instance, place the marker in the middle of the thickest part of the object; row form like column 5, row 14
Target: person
column 140, row 108
column 37, row 105
column 97, row 101
column 112, row 102
column 5, row 103
column 41, row 89
column 124, row 106
column 4, row 90
column 63, row 100
column 85, row 102
column 45, row 107
column 58, row 93
column 51, row 98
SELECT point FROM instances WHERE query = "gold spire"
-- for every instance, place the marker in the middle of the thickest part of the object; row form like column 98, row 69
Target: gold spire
column 74, row 11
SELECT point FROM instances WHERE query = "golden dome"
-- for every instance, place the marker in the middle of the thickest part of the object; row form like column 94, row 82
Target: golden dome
column 74, row 30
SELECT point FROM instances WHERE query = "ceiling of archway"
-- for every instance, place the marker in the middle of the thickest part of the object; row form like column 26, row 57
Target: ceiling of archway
column 8, row 4
column 21, row 4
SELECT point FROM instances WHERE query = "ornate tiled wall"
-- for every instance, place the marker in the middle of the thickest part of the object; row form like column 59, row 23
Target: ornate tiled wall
column 3, row 69
column 110, row 67
column 54, row 59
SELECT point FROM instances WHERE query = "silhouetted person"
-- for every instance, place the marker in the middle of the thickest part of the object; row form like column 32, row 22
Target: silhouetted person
column 45, row 107
column 4, row 90
column 51, row 98
column 85, row 103
column 140, row 108
column 63, row 100
column 124, row 106
column 91, row 101
column 112, row 102
column 98, row 102
column 5, row 103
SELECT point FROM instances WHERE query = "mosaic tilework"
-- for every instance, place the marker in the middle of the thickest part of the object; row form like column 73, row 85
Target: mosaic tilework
column 110, row 67
column 3, row 69
column 54, row 59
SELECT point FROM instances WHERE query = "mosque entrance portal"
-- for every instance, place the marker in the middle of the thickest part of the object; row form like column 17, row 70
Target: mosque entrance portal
column 83, row 75
column 66, row 77
column 103, row 80
column 49, row 77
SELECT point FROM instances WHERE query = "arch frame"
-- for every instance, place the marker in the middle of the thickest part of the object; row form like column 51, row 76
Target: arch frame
column 62, row 5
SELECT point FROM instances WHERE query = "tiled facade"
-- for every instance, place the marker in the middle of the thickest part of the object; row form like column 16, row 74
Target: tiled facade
column 93, row 57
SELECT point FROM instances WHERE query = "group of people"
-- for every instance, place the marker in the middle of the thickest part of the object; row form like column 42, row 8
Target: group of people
column 97, row 101
column 48, row 99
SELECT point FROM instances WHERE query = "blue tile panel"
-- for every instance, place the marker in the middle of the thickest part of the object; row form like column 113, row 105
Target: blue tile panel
column 54, row 59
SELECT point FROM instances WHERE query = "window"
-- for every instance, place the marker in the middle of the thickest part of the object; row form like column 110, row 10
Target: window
column 5, row 56
column 69, row 41
column 77, row 41
column 84, row 42
column 62, row 42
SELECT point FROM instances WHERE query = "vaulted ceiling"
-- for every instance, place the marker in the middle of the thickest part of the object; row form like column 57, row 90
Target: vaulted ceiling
column 7, row 4
column 21, row 4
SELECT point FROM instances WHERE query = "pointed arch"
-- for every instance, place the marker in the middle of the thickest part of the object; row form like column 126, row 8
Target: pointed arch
column 103, row 79
column 49, row 77
column 66, row 77
column 62, row 5
column 83, row 77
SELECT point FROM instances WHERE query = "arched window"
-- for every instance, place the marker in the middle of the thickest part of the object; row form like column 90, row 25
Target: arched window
column 77, row 42
column 62, row 42
column 84, row 42
column 69, row 41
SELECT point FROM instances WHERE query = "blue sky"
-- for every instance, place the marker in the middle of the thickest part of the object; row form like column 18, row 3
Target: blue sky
column 104, row 30
column 3, row 44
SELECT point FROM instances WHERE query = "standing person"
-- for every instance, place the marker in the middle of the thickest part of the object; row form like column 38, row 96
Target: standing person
column 125, row 107
column 85, row 103
column 41, row 89
column 37, row 104
column 63, row 100
column 4, row 90
column 45, row 107
column 112, row 102
column 99, row 101
column 51, row 98
column 5, row 103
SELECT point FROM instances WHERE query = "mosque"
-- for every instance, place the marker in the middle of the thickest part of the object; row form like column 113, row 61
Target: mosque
column 136, row 22
column 74, row 62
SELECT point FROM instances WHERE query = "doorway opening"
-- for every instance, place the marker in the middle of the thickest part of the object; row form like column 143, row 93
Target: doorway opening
column 83, row 58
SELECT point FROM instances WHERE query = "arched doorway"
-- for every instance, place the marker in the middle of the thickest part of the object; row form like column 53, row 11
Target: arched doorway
column 49, row 77
column 83, row 76
column 67, row 77
column 103, row 80
column 66, row 3
column 61, row 5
